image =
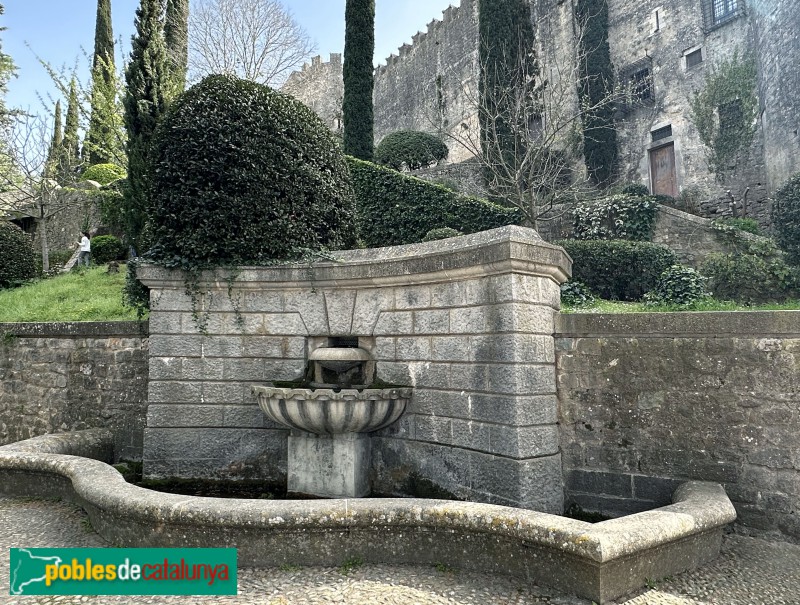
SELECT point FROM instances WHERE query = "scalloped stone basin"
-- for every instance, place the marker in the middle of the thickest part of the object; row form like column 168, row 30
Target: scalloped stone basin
column 327, row 412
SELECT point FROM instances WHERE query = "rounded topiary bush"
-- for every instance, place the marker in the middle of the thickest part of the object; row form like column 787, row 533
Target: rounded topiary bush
column 786, row 218
column 242, row 174
column 17, row 259
column 104, row 173
column 410, row 149
column 679, row 286
column 106, row 248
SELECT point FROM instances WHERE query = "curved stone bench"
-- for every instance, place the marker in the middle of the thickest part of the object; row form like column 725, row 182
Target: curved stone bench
column 599, row 561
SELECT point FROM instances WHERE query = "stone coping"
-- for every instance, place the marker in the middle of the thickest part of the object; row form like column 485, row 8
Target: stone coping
column 597, row 561
column 492, row 252
column 761, row 324
column 89, row 329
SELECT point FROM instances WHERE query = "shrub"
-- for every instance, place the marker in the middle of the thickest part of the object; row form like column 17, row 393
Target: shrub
column 17, row 262
column 106, row 248
column 618, row 269
column 748, row 225
column 410, row 149
column 243, row 174
column 440, row 233
column 618, row 216
column 104, row 173
column 634, row 189
column 111, row 202
column 680, row 286
column 394, row 208
column 786, row 218
column 751, row 278
column 576, row 294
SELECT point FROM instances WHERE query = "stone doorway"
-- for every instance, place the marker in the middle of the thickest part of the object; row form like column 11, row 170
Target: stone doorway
column 664, row 180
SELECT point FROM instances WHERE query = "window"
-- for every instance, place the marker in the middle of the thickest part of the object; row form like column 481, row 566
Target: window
column 638, row 81
column 662, row 133
column 719, row 12
column 694, row 58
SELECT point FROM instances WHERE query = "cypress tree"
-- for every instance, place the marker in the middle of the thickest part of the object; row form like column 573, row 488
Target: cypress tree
column 54, row 153
column 7, row 70
column 100, row 139
column 70, row 144
column 508, row 71
column 145, row 102
column 176, row 38
column 595, row 88
column 359, row 48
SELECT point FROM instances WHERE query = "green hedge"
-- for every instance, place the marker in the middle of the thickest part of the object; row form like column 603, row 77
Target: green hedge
column 393, row 208
column 751, row 278
column 104, row 173
column 618, row 269
column 106, row 248
column 411, row 149
column 17, row 262
column 617, row 216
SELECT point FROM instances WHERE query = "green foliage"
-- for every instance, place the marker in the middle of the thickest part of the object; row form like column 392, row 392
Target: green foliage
column 70, row 143
column 57, row 258
column 110, row 201
column 100, row 138
column 357, row 110
column 146, row 99
column 243, row 174
column 7, row 71
column 103, row 173
column 678, row 286
column 176, row 38
column 507, row 60
column 724, row 112
column 786, row 218
column 106, row 248
column 410, row 149
column 55, row 151
column 618, row 269
column 16, row 256
column 748, row 225
column 576, row 294
column 596, row 86
column 135, row 295
column 751, row 278
column 617, row 216
column 635, row 189
column 394, row 208
column 441, row 233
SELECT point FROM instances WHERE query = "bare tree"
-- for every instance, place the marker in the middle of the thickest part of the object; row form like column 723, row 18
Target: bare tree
column 532, row 148
column 256, row 40
column 30, row 192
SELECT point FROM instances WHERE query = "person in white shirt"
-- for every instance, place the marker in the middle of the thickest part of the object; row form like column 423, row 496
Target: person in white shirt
column 86, row 249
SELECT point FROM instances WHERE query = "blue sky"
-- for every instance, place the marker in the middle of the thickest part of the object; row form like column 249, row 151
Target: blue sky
column 56, row 30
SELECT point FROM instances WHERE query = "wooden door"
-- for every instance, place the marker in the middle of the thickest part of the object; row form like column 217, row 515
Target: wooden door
column 662, row 171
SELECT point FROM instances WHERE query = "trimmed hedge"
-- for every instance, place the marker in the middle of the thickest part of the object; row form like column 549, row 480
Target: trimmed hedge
column 411, row 149
column 244, row 174
column 106, row 248
column 104, row 173
column 751, row 278
column 17, row 259
column 786, row 218
column 393, row 208
column 618, row 269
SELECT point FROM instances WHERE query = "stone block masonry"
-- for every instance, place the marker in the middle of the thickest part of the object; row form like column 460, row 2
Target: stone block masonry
column 72, row 376
column 650, row 400
column 468, row 323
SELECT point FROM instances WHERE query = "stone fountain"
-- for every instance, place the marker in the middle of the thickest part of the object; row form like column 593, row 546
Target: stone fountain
column 331, row 417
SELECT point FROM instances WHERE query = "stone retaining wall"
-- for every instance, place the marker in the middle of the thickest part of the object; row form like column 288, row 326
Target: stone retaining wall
column 650, row 400
column 72, row 376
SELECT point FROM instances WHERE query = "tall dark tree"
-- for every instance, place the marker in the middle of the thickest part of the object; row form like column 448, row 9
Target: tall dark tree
column 508, row 76
column 145, row 102
column 176, row 38
column 101, row 138
column 55, row 152
column 7, row 70
column 70, row 144
column 596, row 85
column 359, row 48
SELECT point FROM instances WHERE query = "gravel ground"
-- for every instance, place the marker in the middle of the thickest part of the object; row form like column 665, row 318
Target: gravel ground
column 750, row 571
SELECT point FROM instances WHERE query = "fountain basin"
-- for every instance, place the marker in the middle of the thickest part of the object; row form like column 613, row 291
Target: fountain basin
column 330, row 412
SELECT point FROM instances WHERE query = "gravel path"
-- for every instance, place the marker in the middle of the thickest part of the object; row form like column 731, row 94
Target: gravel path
column 750, row 571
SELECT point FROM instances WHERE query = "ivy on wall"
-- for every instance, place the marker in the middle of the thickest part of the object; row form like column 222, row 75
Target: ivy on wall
column 595, row 86
column 724, row 112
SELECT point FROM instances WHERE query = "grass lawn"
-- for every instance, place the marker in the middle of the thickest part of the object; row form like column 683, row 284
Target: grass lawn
column 88, row 295
column 615, row 306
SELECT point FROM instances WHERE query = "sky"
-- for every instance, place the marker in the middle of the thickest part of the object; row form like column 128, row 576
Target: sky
column 56, row 30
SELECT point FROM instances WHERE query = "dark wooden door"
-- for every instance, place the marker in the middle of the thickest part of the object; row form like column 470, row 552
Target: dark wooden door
column 662, row 171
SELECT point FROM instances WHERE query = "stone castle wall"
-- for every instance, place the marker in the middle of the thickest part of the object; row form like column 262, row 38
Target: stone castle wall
column 319, row 85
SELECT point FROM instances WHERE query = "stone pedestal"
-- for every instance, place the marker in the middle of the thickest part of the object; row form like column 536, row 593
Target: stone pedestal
column 333, row 466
